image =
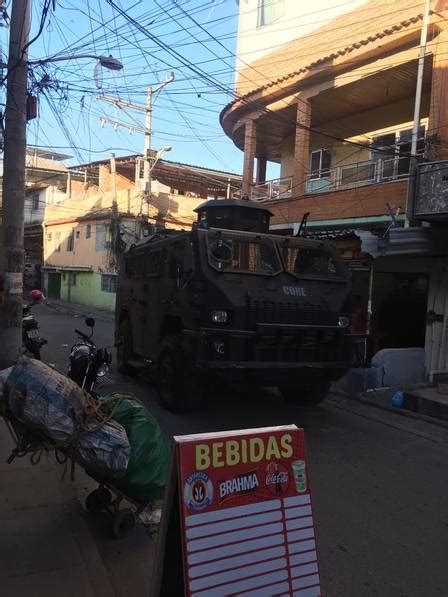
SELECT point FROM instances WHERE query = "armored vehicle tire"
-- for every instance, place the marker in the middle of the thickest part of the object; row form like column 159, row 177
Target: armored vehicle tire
column 309, row 394
column 124, row 348
column 179, row 390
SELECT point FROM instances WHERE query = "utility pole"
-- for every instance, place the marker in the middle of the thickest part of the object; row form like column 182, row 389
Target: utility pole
column 417, row 103
column 147, row 144
column 12, row 254
column 148, row 155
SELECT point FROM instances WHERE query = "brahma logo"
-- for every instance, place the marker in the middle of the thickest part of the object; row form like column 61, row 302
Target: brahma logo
column 238, row 485
column 277, row 478
column 198, row 491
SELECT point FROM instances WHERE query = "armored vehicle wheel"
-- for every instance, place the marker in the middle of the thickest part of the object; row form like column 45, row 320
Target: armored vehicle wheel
column 124, row 348
column 178, row 389
column 310, row 394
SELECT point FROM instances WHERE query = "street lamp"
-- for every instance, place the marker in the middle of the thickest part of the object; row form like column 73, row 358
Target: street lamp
column 159, row 155
column 107, row 61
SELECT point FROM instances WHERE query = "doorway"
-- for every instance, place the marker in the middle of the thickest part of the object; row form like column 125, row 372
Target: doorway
column 54, row 286
column 399, row 314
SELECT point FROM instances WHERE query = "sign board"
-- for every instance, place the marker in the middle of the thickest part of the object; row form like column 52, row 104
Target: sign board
column 239, row 504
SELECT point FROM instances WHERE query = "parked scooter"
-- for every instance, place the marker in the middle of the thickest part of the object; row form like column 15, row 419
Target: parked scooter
column 87, row 363
column 31, row 338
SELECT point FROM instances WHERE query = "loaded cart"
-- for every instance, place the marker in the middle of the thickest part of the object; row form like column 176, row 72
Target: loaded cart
column 114, row 438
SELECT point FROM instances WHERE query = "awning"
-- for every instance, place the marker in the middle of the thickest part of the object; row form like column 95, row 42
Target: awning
column 68, row 268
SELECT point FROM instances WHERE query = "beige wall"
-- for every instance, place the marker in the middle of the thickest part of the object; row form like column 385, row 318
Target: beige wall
column 297, row 20
column 84, row 253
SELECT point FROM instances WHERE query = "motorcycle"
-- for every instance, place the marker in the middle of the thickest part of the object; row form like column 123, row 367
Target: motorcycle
column 31, row 339
column 87, row 363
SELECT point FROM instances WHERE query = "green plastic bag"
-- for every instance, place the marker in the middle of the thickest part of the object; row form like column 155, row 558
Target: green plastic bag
column 145, row 476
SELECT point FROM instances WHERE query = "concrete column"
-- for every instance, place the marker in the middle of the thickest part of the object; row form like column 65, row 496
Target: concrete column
column 250, row 142
column 68, row 192
column 437, row 132
column 261, row 170
column 301, row 147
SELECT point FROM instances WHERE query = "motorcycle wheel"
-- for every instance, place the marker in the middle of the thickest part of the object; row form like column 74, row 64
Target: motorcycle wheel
column 32, row 348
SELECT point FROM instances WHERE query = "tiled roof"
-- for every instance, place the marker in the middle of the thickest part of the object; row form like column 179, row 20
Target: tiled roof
column 365, row 26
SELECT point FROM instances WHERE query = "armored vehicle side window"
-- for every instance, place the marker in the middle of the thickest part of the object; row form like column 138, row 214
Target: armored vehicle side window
column 305, row 261
column 144, row 264
column 242, row 254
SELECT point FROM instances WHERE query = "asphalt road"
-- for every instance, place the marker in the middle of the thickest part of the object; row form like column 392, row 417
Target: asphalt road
column 380, row 483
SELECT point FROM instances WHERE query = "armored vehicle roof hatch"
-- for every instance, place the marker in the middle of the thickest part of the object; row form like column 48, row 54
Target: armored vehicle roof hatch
column 233, row 214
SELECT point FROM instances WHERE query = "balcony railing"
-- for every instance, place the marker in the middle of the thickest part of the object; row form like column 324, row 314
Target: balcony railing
column 339, row 177
column 280, row 188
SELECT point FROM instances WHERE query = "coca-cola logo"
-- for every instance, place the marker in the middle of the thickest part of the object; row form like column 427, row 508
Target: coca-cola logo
column 277, row 478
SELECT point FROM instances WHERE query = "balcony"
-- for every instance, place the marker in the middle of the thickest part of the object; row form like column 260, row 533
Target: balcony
column 279, row 188
column 338, row 178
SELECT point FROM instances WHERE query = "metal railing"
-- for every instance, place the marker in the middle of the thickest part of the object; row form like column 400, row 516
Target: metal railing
column 279, row 188
column 345, row 176
column 361, row 173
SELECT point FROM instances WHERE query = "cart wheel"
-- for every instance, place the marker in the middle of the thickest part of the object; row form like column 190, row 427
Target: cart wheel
column 123, row 523
column 98, row 500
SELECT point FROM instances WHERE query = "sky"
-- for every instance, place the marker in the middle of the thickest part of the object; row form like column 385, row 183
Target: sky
column 194, row 39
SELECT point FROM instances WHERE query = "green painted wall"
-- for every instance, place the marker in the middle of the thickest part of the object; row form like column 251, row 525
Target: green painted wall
column 87, row 291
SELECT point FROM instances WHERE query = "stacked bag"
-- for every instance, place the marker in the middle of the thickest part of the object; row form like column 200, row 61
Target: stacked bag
column 114, row 438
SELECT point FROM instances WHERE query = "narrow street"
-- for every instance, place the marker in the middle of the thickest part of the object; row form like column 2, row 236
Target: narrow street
column 379, row 480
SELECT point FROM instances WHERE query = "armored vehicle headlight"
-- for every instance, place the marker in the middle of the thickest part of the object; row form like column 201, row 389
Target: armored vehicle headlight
column 219, row 316
column 343, row 321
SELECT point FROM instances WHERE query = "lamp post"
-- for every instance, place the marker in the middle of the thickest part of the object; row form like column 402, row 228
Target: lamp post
column 12, row 225
column 159, row 155
column 107, row 61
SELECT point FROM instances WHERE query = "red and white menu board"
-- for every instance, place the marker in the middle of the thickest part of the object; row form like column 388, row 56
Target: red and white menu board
column 246, row 516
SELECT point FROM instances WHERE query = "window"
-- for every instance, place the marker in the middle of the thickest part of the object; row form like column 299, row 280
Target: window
column 320, row 163
column 71, row 279
column 301, row 260
column 144, row 264
column 57, row 242
column 35, row 202
column 88, row 231
column 269, row 11
column 108, row 283
column 103, row 237
column 234, row 253
column 70, row 241
column 77, row 234
column 49, row 237
column 394, row 150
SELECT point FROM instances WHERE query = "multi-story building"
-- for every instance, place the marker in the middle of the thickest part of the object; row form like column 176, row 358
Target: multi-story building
column 329, row 94
column 46, row 181
column 107, row 206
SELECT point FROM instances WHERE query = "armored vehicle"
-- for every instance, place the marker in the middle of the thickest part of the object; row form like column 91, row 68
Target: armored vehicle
column 229, row 299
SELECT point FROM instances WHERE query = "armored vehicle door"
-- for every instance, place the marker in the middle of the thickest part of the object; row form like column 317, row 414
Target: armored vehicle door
column 147, row 268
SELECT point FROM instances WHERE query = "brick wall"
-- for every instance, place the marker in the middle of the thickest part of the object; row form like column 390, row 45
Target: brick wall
column 105, row 179
column 369, row 200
